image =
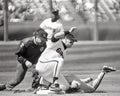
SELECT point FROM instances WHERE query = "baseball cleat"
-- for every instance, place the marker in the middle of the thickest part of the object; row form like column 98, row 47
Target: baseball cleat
column 2, row 87
column 55, row 87
column 107, row 69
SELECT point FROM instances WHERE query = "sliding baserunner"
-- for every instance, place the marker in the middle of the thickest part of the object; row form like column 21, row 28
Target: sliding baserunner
column 87, row 85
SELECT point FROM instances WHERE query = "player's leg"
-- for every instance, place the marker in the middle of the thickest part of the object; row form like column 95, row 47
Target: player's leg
column 77, row 85
column 98, row 80
column 64, row 84
column 56, row 74
column 50, row 71
column 57, row 69
column 45, row 69
column 70, row 78
column 20, row 73
column 36, row 80
column 84, row 87
column 19, row 76
column 87, row 80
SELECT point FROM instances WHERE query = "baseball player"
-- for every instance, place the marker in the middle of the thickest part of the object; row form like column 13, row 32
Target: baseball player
column 28, row 52
column 53, row 26
column 55, row 31
column 87, row 85
column 51, row 61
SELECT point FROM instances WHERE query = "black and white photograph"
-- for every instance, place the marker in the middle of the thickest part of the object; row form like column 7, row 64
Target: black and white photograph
column 59, row 47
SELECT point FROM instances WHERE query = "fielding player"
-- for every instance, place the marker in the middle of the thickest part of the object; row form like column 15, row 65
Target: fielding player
column 51, row 61
column 55, row 30
column 28, row 53
column 53, row 26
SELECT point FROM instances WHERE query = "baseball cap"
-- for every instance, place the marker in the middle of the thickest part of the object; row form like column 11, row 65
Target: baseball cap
column 72, row 29
column 71, row 37
column 55, row 12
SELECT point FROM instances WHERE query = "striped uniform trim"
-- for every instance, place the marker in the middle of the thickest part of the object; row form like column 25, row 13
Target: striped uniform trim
column 56, row 67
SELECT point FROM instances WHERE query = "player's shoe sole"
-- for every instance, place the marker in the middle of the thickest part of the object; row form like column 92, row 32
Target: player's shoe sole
column 108, row 69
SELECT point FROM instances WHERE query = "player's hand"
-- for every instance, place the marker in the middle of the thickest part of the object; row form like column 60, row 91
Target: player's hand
column 72, row 29
column 28, row 64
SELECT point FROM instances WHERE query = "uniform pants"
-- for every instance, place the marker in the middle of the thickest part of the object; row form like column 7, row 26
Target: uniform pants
column 52, row 68
column 84, row 87
column 20, row 74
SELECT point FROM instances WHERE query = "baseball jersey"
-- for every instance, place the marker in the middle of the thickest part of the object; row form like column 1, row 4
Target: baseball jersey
column 51, row 27
column 57, row 50
column 28, row 50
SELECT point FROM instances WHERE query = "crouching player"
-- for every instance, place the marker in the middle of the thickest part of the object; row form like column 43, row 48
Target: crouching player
column 28, row 52
column 51, row 61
